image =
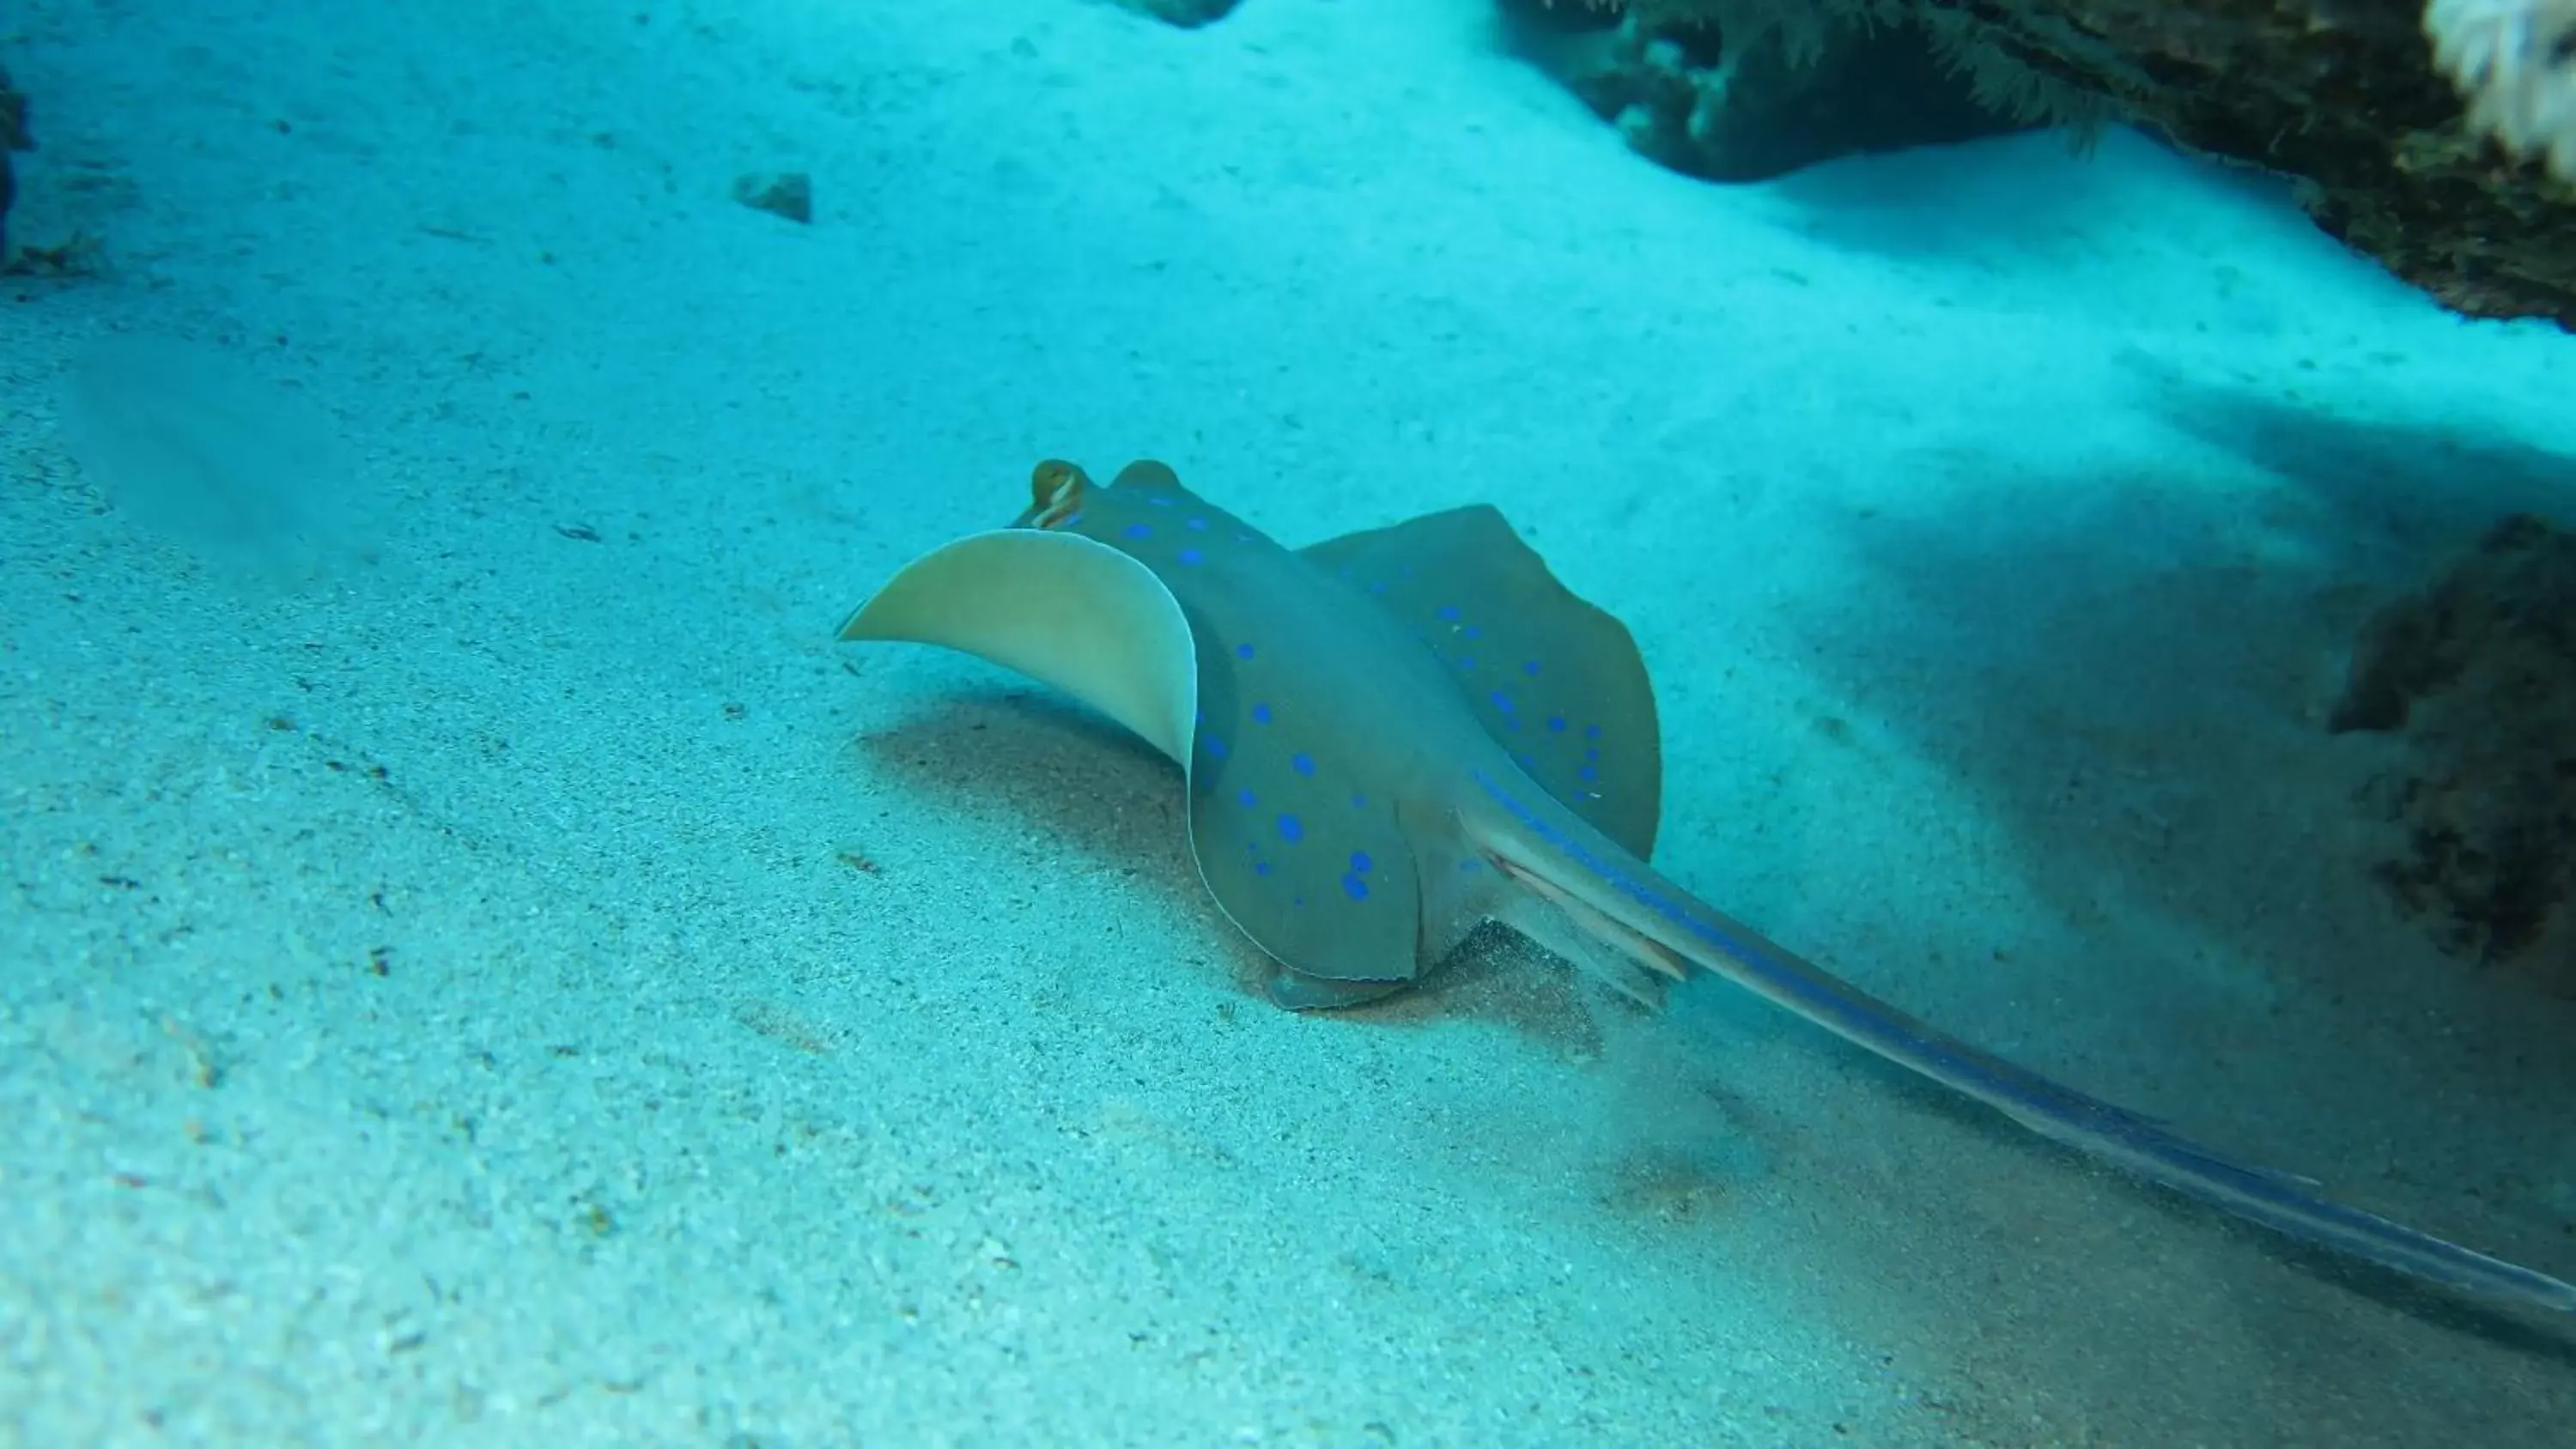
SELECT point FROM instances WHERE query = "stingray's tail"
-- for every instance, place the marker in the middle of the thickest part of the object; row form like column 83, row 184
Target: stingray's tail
column 1621, row 898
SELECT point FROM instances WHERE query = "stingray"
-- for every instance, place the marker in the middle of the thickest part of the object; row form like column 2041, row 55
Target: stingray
column 1394, row 736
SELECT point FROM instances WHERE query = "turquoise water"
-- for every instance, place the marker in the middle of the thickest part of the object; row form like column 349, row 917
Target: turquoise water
column 483, row 965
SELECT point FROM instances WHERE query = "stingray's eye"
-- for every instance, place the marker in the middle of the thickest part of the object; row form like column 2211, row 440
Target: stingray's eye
column 1055, row 494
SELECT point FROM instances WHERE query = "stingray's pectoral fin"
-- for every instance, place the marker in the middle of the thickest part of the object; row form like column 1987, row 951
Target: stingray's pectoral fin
column 1298, row 991
column 1060, row 608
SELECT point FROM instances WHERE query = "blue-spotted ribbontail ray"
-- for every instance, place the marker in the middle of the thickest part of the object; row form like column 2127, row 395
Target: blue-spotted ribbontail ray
column 1392, row 737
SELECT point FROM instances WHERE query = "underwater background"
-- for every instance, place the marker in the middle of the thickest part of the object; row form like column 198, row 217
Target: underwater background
column 480, row 963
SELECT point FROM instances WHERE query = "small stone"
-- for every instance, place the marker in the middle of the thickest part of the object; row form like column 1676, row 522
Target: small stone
column 780, row 193
column 1188, row 14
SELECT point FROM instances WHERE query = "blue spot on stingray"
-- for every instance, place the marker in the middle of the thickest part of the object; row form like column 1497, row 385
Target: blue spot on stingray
column 1359, row 802
column 1522, row 759
column 1378, row 588
column 1303, row 764
column 1530, row 668
column 1215, row 746
column 1591, row 754
column 1589, row 772
column 1138, row 530
column 1447, row 611
column 1354, row 887
column 1470, row 865
column 1291, row 829
column 1473, row 632
column 1242, row 651
column 1360, row 862
column 1261, row 714
column 1261, row 868
column 1071, row 519
column 1556, row 722
column 1592, row 732
column 1193, row 557
column 1245, row 797
column 1196, row 525
column 1501, row 701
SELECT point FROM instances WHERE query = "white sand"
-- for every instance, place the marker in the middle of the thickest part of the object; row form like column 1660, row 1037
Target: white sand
column 2061, row 482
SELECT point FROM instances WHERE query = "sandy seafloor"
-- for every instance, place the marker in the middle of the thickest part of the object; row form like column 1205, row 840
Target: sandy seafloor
column 439, row 1005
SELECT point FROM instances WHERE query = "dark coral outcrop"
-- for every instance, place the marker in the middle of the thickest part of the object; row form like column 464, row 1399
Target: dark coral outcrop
column 2478, row 672
column 1682, row 97
column 2342, row 95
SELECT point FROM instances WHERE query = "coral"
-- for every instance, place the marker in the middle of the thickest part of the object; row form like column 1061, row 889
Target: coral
column 2512, row 59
